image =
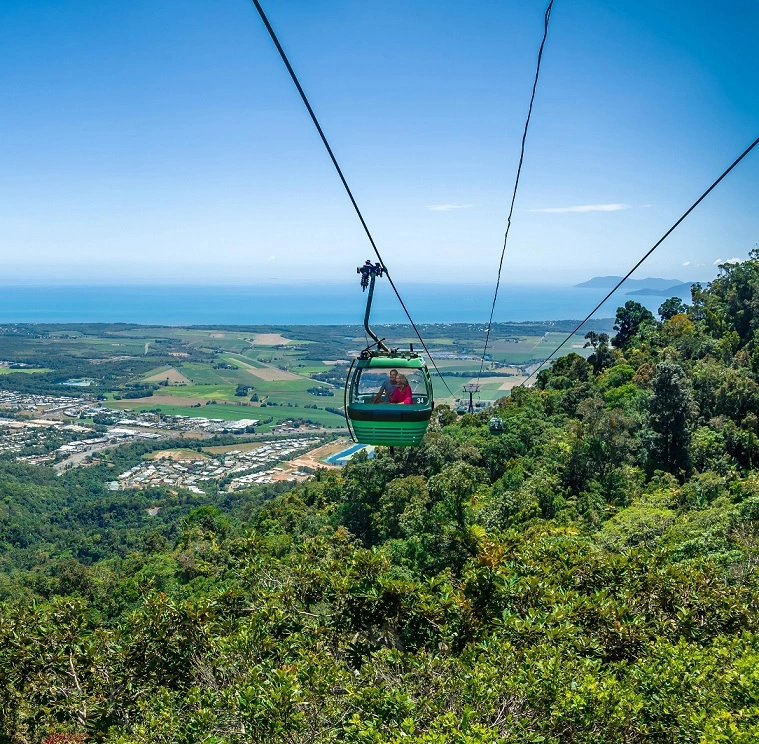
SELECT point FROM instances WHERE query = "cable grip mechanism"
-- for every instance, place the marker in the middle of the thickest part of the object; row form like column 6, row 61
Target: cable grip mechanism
column 369, row 273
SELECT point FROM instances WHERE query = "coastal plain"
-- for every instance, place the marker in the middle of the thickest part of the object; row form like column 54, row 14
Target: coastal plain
column 268, row 373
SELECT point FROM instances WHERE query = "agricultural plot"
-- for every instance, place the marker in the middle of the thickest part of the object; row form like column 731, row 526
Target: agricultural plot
column 156, row 371
column 309, row 369
column 457, row 365
column 262, row 371
column 202, row 374
column 120, row 347
column 270, row 339
column 173, row 376
column 532, row 348
column 231, row 412
column 274, row 365
column 491, row 388
column 201, row 392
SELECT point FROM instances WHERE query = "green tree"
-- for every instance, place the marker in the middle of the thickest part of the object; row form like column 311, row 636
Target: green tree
column 671, row 413
column 732, row 301
column 563, row 373
column 602, row 356
column 628, row 322
column 454, row 487
column 671, row 307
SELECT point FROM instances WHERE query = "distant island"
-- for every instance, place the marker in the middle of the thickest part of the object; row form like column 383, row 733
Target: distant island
column 651, row 286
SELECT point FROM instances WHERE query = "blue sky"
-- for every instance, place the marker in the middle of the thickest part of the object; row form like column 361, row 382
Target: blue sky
column 163, row 141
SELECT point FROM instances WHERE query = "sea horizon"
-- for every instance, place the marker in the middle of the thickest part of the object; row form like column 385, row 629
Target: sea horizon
column 308, row 304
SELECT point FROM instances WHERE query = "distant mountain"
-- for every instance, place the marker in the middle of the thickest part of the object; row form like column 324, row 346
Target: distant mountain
column 607, row 282
column 679, row 290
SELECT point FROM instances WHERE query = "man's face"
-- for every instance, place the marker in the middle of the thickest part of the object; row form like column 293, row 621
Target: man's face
column 393, row 376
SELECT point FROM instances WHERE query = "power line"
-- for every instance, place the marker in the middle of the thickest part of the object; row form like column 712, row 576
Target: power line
column 345, row 183
column 516, row 183
column 645, row 256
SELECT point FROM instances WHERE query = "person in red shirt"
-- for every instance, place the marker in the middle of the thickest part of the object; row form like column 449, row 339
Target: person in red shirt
column 401, row 394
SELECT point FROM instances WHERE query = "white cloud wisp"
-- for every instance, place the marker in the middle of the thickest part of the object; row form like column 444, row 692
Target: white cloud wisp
column 583, row 208
column 446, row 207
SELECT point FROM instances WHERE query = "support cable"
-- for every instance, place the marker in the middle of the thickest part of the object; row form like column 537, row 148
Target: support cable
column 645, row 256
column 516, row 184
column 345, row 183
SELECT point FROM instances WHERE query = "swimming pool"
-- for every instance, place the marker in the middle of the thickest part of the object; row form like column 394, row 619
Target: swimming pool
column 340, row 458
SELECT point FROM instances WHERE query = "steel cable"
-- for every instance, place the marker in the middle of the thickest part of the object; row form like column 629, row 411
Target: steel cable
column 344, row 182
column 516, row 184
column 645, row 256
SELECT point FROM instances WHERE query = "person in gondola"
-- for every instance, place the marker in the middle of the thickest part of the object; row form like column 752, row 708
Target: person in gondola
column 402, row 394
column 387, row 388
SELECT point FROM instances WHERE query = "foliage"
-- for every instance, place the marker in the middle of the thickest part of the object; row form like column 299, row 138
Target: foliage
column 587, row 575
column 671, row 307
column 629, row 320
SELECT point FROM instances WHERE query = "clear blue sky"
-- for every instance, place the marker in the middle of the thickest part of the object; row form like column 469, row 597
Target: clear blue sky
column 163, row 141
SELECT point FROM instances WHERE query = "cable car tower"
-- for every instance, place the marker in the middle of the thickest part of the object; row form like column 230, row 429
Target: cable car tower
column 471, row 388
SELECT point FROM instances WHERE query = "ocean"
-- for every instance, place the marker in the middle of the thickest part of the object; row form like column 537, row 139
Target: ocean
column 315, row 304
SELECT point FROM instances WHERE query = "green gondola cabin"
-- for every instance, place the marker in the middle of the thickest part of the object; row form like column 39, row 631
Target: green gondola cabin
column 389, row 424
column 383, row 422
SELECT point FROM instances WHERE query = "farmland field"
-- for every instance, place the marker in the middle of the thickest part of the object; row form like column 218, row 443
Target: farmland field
column 263, row 371
column 172, row 375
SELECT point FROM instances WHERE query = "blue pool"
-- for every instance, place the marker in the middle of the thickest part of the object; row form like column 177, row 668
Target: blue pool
column 340, row 458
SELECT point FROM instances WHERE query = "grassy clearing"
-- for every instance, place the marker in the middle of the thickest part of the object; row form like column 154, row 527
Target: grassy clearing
column 223, row 449
column 138, row 332
column 511, row 382
column 201, row 374
column 240, row 376
column 170, row 374
column 119, row 347
column 271, row 339
column 177, row 454
column 533, row 343
column 25, row 371
column 203, row 392
column 283, row 413
column 227, row 343
column 272, row 387
column 235, row 413
column 457, row 365
column 491, row 389
column 311, row 369
column 244, row 359
column 302, row 399
column 156, row 371
column 263, row 371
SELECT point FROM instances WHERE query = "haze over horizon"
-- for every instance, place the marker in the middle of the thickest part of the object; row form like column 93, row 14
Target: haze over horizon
column 164, row 143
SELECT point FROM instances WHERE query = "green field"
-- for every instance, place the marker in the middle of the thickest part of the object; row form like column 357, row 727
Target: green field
column 121, row 359
column 235, row 413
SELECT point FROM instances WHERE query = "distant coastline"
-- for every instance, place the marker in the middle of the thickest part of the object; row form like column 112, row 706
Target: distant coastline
column 651, row 287
column 303, row 304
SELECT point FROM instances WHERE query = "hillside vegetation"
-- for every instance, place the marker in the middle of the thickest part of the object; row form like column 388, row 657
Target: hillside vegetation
column 589, row 575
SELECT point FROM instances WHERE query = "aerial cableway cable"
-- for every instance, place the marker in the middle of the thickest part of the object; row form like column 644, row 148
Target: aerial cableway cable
column 516, row 184
column 345, row 183
column 645, row 256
